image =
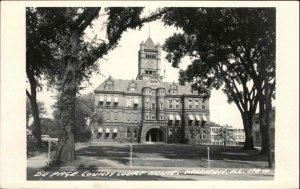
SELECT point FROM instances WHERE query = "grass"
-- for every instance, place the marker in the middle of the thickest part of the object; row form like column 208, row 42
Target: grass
column 168, row 155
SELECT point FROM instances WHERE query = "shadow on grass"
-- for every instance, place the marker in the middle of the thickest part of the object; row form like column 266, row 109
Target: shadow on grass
column 187, row 152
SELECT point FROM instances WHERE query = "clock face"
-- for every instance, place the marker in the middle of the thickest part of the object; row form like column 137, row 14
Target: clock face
column 150, row 64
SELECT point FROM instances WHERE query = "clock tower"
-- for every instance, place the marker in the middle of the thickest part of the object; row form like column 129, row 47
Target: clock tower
column 149, row 60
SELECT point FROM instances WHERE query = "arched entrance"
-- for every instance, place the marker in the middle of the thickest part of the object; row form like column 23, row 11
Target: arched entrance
column 154, row 135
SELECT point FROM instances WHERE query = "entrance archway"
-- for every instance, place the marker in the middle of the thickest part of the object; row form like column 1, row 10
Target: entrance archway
column 154, row 135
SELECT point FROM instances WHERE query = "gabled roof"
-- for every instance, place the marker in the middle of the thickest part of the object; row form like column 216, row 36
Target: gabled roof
column 121, row 85
column 149, row 44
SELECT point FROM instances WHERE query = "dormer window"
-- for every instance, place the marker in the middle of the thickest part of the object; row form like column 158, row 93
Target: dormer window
column 173, row 89
column 109, row 84
column 132, row 86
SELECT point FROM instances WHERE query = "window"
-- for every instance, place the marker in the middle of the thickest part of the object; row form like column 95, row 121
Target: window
column 190, row 122
column 256, row 122
column 170, row 104
column 196, row 105
column 147, row 117
column 116, row 100
column 147, row 105
column 136, row 103
column 107, row 133
column 190, row 104
column 128, row 103
column 128, row 133
column 161, row 106
column 203, row 106
column 153, row 117
column 116, row 115
column 135, row 133
column 107, row 116
column 153, row 106
column 128, row 117
column 99, row 133
column 161, row 117
column 135, row 117
column 114, row 135
column 177, row 104
column 100, row 103
column 171, row 133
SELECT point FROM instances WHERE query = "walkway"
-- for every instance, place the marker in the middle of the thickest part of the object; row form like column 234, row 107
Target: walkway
column 41, row 160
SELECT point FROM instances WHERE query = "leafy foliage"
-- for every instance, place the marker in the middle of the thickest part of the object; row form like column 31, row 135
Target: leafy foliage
column 84, row 112
column 232, row 48
column 42, row 110
column 49, row 127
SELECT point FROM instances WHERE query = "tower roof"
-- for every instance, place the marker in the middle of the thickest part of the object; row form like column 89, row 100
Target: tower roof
column 149, row 44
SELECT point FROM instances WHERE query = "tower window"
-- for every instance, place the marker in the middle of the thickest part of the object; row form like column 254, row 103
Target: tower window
column 196, row 104
column 161, row 105
column 190, row 104
column 153, row 106
column 177, row 104
column 170, row 104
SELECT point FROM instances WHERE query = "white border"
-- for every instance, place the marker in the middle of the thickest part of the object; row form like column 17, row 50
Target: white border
column 12, row 140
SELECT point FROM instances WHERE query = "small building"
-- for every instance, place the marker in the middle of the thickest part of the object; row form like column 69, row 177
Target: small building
column 239, row 135
column 226, row 135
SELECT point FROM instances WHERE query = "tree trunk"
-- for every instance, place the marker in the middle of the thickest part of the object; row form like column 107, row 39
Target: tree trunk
column 268, row 118
column 66, row 146
column 247, row 121
column 34, row 107
column 262, row 127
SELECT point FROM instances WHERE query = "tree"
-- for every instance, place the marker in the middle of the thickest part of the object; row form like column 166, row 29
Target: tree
column 229, row 48
column 83, row 112
column 49, row 127
column 41, row 110
column 74, row 59
column 43, row 32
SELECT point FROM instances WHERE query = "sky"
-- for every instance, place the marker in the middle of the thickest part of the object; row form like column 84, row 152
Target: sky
column 122, row 63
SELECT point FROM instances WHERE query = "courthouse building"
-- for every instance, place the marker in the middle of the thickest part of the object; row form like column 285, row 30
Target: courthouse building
column 149, row 109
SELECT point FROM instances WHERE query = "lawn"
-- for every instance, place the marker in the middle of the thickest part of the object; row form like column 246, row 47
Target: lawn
column 167, row 155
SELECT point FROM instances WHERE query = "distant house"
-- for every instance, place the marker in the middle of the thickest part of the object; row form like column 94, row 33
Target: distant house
column 256, row 129
column 225, row 135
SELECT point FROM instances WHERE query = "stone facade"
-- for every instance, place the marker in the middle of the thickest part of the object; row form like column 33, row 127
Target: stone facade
column 148, row 109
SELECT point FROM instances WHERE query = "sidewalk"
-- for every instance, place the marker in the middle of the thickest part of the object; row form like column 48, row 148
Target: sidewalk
column 41, row 160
